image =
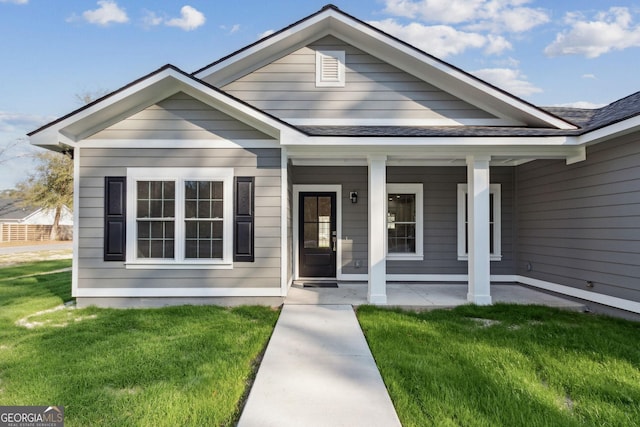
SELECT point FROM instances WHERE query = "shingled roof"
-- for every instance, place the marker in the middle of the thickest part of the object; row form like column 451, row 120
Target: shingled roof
column 622, row 109
column 586, row 119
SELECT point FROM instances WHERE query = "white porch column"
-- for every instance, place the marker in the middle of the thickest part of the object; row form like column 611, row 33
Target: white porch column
column 478, row 228
column 377, row 293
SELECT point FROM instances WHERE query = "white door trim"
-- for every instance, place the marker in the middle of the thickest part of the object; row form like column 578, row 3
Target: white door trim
column 304, row 188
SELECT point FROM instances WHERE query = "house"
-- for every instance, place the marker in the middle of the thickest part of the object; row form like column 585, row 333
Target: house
column 19, row 223
column 332, row 150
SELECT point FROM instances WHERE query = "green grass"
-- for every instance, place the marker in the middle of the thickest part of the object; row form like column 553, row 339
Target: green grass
column 25, row 269
column 507, row 366
column 154, row 367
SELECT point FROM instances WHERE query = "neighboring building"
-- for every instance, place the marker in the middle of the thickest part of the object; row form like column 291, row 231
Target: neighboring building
column 333, row 150
column 19, row 223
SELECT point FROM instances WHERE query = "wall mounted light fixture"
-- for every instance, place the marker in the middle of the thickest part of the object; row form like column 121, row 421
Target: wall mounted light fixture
column 353, row 196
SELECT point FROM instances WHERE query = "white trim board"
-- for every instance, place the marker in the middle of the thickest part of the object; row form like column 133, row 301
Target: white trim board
column 179, row 143
column 598, row 298
column 75, row 266
column 176, row 292
column 611, row 301
column 284, row 224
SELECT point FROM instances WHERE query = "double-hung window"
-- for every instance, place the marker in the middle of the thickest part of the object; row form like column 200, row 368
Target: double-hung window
column 181, row 216
column 404, row 222
column 494, row 222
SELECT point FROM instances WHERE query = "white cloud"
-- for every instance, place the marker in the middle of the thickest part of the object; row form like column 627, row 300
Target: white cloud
column 15, row 1
column 442, row 40
column 589, row 76
column 231, row 30
column 151, row 19
column 445, row 11
column 496, row 45
column 108, row 13
column 190, row 19
column 580, row 104
column 516, row 20
column 265, row 34
column 610, row 30
column 497, row 16
column 18, row 122
column 511, row 80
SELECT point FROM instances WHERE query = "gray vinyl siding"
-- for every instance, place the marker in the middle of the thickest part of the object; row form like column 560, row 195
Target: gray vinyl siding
column 374, row 89
column 440, row 216
column 95, row 164
column 440, row 186
column 579, row 223
column 354, row 216
column 180, row 117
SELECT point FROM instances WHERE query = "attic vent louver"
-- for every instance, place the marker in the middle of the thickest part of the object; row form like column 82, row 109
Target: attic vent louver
column 330, row 68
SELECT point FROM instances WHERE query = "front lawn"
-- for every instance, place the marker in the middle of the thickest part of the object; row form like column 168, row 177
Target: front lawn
column 162, row 367
column 507, row 366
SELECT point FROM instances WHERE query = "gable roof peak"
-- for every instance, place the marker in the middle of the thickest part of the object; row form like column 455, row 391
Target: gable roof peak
column 329, row 6
column 330, row 20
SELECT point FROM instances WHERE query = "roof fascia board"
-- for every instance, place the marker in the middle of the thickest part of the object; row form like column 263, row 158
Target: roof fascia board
column 32, row 214
column 621, row 128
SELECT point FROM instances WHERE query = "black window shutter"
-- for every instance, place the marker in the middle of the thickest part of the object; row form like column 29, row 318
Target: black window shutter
column 115, row 218
column 243, row 224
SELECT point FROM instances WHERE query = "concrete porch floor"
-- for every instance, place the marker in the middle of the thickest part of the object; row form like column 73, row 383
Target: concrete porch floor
column 422, row 296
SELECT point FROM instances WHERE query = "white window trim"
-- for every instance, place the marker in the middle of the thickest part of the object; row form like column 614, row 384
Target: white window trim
column 496, row 190
column 339, row 56
column 179, row 175
column 415, row 189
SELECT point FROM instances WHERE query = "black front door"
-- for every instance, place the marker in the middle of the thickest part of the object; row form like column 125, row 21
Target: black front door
column 317, row 236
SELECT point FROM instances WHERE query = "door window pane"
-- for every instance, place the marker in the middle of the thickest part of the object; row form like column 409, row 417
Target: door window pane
column 310, row 235
column 317, row 221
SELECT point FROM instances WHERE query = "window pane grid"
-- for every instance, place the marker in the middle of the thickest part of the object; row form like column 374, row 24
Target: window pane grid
column 401, row 223
column 155, row 217
column 203, row 219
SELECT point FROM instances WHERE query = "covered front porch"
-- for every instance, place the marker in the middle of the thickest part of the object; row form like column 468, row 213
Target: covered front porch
column 451, row 244
column 421, row 296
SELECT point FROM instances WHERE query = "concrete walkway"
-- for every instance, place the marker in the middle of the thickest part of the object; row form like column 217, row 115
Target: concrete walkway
column 318, row 371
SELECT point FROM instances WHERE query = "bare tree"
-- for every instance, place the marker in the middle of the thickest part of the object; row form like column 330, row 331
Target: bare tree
column 87, row 97
column 13, row 150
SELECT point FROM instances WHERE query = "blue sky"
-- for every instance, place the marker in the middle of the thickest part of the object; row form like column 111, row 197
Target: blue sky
column 549, row 52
